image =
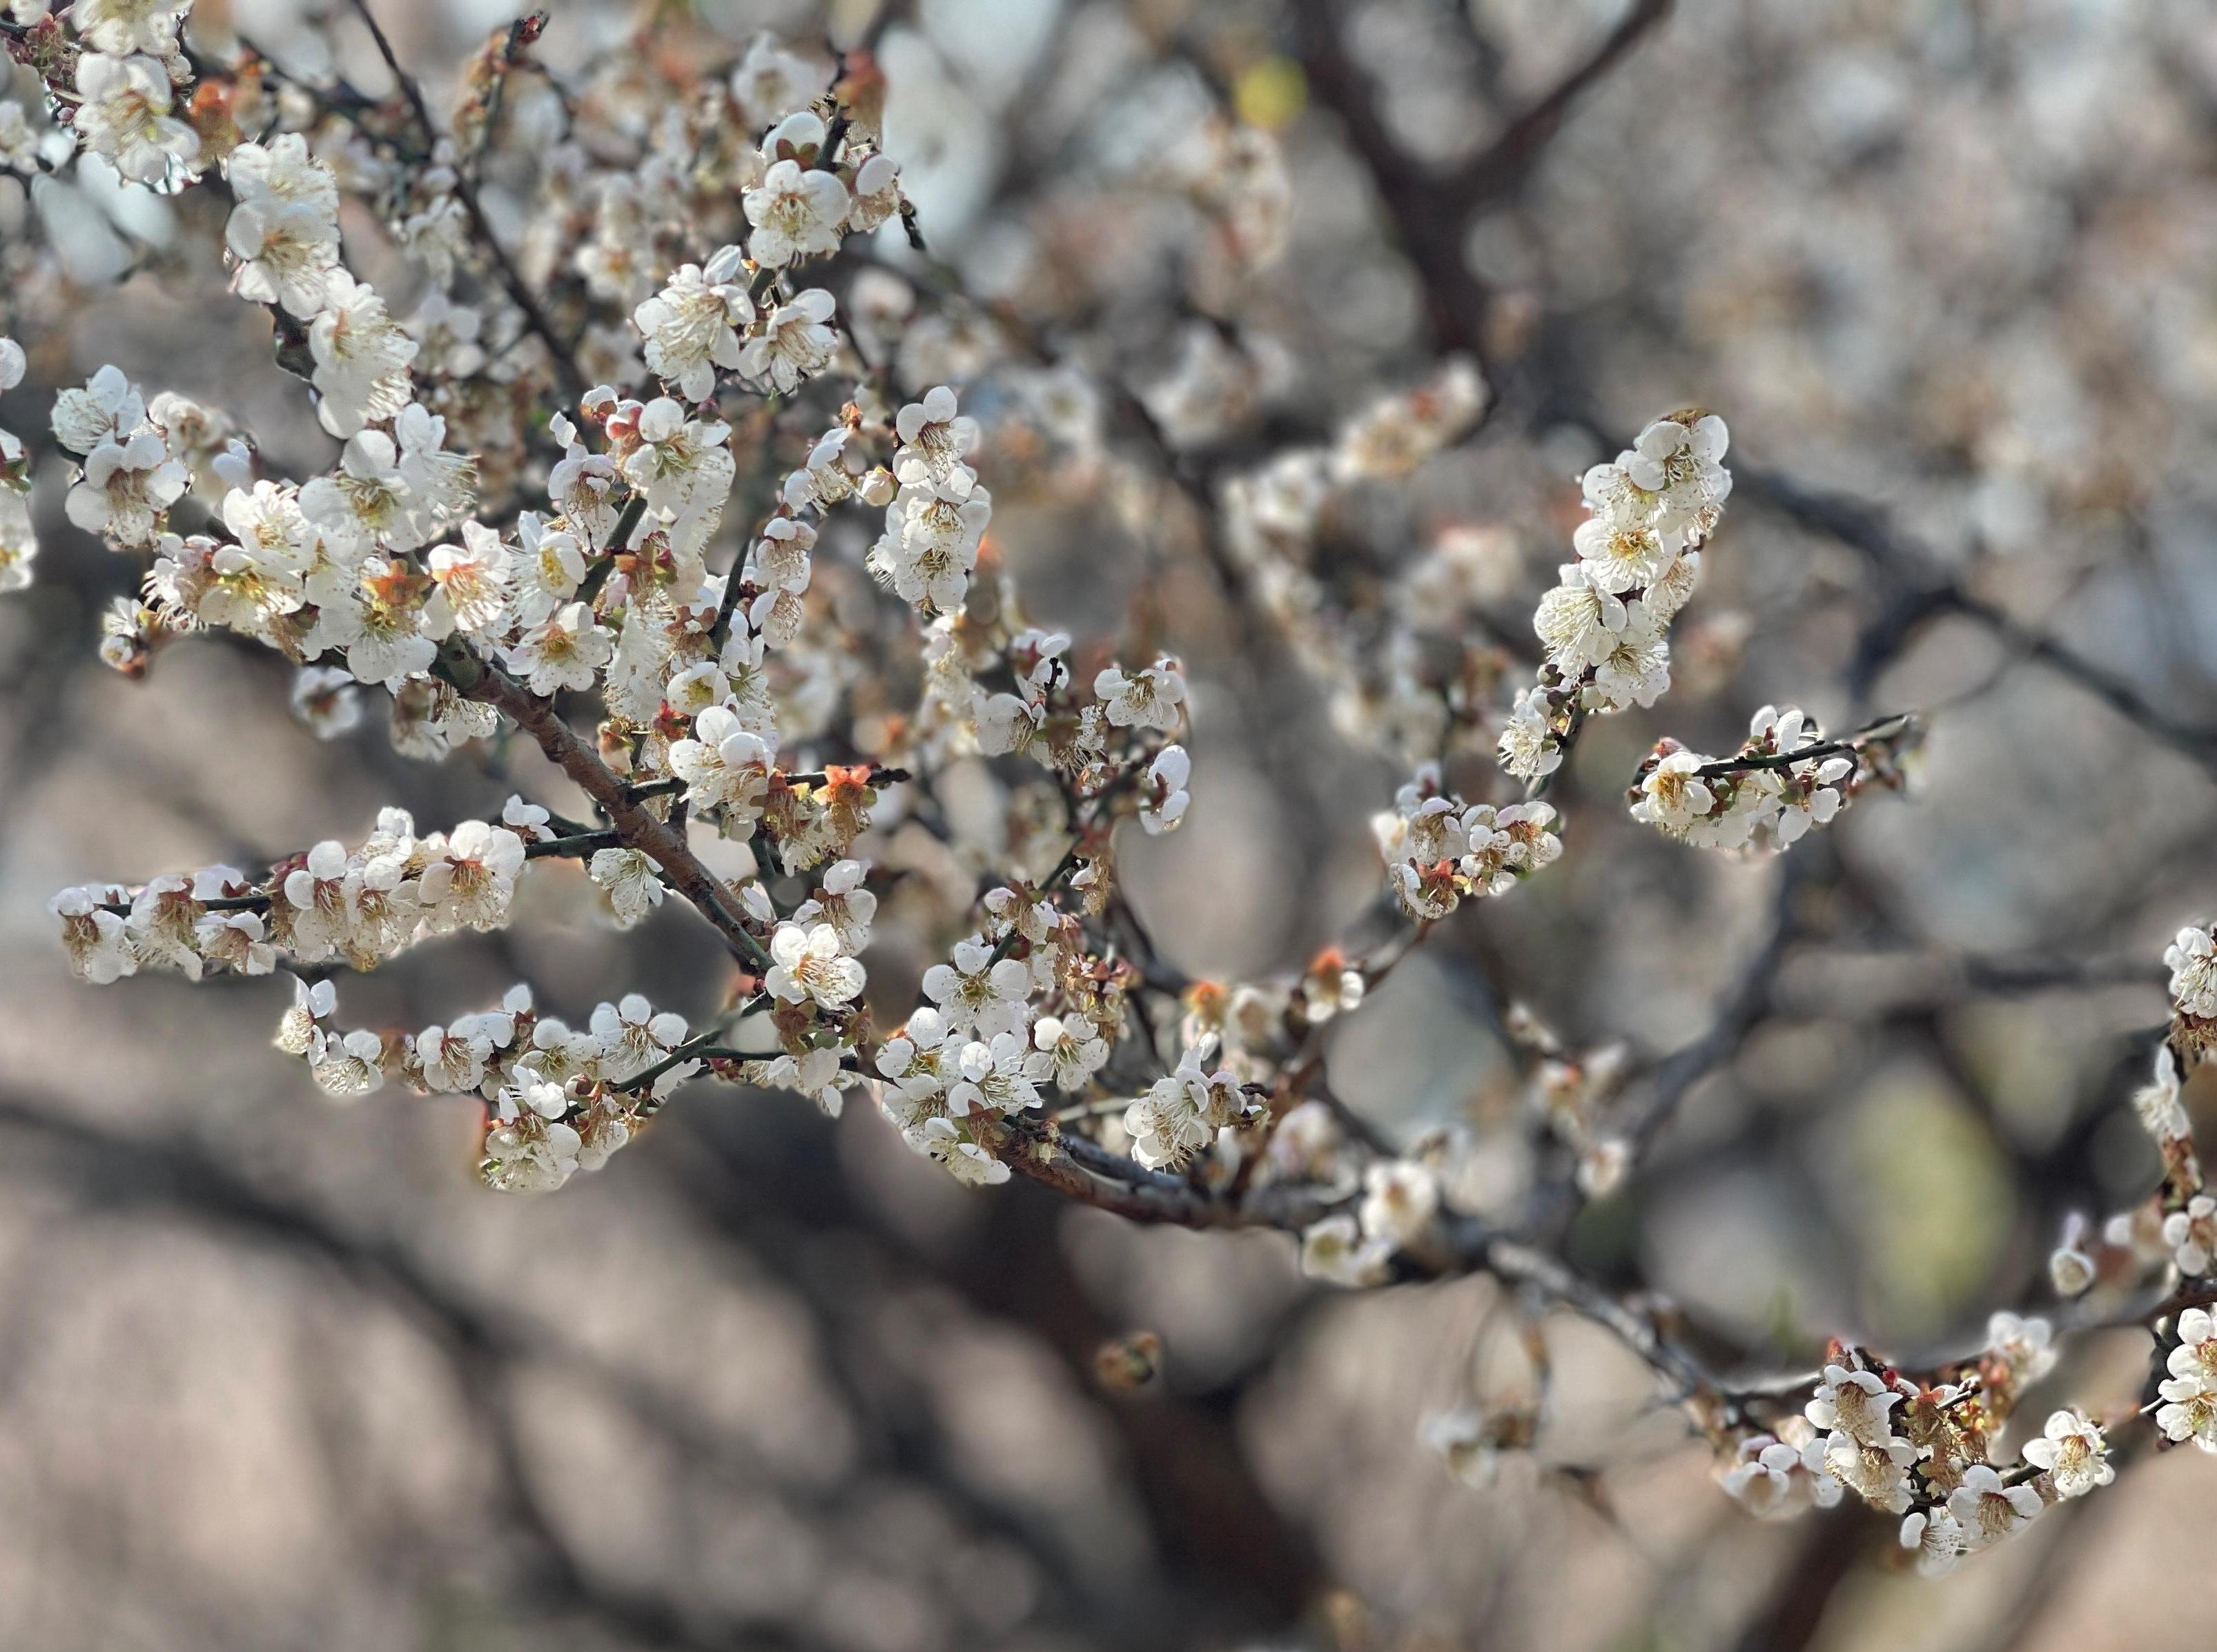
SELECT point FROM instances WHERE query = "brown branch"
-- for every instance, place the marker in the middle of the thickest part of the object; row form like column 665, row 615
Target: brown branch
column 1430, row 230
column 1738, row 1012
column 634, row 825
column 1085, row 1171
column 1809, row 753
column 1925, row 592
column 1430, row 213
column 1497, row 169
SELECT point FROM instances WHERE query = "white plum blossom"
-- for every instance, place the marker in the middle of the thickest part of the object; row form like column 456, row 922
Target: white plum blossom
column 1854, row 1403
column 966, row 1159
column 1988, row 1509
column 977, row 993
column 797, row 213
column 1151, row 698
column 2192, row 961
column 121, row 27
column 723, row 763
column 94, row 939
column 1163, row 800
column 549, row 565
column 817, row 1075
column 1067, row 1051
column 19, row 543
column 471, row 878
column 566, row 651
column 919, row 1060
column 2157, row 1104
column 126, row 114
column 379, row 624
column 526, row 1150
column 349, row 1066
column 365, row 501
column 692, row 326
column 2074, row 1454
column 1528, row 748
column 454, row 1059
column 1876, row 1470
column 771, row 81
column 631, row 881
column 2189, row 1392
column 1672, row 797
column 284, row 230
column 19, row 139
column 630, row 1036
column 1937, row 1540
column 2071, row 1270
column 445, row 336
column 1775, row 1477
column 361, row 356
column 992, row 1077
column 877, row 194
column 809, row 963
column 529, row 821
column 930, row 544
column 2192, row 1235
column 1335, row 1251
column 1400, row 1200
column 126, row 488
column 1579, row 623
column 107, row 409
column 2025, row 1345
column 795, row 343
column 935, row 438
column 302, row 1025
column 475, row 581
column 237, row 941
column 841, row 902
column 1623, row 555
column 1472, row 1443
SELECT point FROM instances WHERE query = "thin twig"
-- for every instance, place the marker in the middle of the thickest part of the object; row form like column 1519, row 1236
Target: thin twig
column 511, row 279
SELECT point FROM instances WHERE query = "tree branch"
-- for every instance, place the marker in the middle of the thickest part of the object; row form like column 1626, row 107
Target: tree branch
column 635, row 826
column 1504, row 164
column 1925, row 593
column 1430, row 214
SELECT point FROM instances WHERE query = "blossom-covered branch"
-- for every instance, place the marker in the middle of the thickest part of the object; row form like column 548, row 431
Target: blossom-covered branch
column 834, row 695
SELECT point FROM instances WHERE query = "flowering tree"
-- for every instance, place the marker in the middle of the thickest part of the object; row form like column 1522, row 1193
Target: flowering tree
column 680, row 470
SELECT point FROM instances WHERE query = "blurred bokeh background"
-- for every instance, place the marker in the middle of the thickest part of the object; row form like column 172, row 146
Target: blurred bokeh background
column 278, row 1373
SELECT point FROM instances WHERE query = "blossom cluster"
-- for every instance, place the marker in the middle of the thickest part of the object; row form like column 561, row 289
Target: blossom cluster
column 1927, row 1447
column 330, row 904
column 1787, row 777
column 677, row 471
column 1605, row 625
column 1420, row 667
column 557, row 1099
column 388, row 572
column 2192, row 960
column 1921, row 1449
column 1440, row 851
column 117, row 77
column 2173, row 1232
